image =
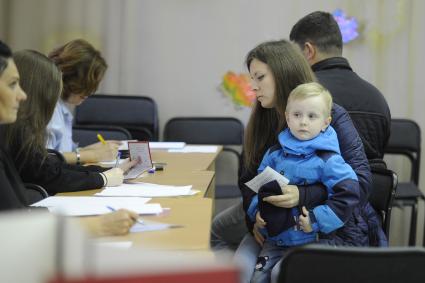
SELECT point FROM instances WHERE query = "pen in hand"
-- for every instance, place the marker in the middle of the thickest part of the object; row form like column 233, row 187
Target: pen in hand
column 118, row 159
column 138, row 220
column 101, row 139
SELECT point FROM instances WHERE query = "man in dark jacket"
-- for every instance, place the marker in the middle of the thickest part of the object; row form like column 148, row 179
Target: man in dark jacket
column 320, row 40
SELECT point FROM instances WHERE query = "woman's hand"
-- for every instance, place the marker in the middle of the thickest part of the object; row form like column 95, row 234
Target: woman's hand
column 128, row 165
column 100, row 144
column 99, row 152
column 289, row 198
column 259, row 224
column 114, row 177
column 115, row 223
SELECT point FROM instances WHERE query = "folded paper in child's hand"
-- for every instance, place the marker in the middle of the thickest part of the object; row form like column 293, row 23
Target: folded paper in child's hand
column 264, row 177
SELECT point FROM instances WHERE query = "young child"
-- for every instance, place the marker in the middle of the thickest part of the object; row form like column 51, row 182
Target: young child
column 307, row 153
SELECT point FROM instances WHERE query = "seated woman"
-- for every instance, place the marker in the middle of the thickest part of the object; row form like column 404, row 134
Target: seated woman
column 12, row 190
column 25, row 139
column 82, row 67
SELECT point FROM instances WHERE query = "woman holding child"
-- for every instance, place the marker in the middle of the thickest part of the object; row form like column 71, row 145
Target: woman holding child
column 276, row 68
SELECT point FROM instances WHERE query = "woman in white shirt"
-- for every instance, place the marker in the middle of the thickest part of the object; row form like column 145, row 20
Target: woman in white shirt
column 82, row 68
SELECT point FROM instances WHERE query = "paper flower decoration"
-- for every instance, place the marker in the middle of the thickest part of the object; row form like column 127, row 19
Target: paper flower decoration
column 348, row 26
column 238, row 88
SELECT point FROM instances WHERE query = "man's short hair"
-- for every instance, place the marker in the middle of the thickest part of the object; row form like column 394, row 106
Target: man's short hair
column 320, row 29
column 5, row 54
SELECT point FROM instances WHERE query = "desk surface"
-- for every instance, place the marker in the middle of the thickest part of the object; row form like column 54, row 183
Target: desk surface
column 193, row 212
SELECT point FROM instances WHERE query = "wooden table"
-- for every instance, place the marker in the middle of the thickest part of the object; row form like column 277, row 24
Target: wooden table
column 193, row 212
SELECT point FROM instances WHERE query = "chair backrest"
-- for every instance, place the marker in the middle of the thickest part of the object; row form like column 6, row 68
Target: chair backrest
column 405, row 139
column 35, row 193
column 366, row 124
column 226, row 131
column 137, row 114
column 353, row 265
column 86, row 135
column 384, row 184
column 205, row 130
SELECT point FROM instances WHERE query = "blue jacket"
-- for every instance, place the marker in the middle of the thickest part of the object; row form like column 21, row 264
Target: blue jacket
column 363, row 228
column 308, row 162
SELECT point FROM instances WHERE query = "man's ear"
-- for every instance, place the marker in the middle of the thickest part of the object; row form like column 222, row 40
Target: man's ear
column 309, row 52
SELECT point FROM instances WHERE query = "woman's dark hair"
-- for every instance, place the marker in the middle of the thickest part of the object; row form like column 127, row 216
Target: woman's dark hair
column 5, row 54
column 82, row 67
column 289, row 69
column 42, row 82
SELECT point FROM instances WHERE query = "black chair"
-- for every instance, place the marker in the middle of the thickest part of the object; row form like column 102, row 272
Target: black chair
column 137, row 114
column 55, row 154
column 384, row 183
column 224, row 131
column 353, row 265
column 405, row 139
column 86, row 135
column 35, row 193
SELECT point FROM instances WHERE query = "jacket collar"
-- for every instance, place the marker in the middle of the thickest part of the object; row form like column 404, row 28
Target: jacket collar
column 331, row 63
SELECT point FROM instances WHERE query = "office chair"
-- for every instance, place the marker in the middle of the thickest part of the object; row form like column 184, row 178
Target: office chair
column 405, row 139
column 34, row 193
column 224, row 131
column 374, row 142
column 384, row 183
column 56, row 154
column 87, row 134
column 137, row 114
column 353, row 265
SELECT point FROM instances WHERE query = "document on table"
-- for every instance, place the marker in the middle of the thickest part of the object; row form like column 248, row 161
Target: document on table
column 84, row 206
column 167, row 145
column 196, row 148
column 155, row 145
column 266, row 176
column 140, row 151
column 112, row 163
column 146, row 190
column 151, row 226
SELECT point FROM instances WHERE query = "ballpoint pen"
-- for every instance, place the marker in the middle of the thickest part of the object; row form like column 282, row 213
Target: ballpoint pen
column 101, row 139
column 138, row 220
column 118, row 159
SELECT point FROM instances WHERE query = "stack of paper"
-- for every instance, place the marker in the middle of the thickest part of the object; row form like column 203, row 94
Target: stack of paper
column 166, row 145
column 196, row 148
column 146, row 190
column 83, row 206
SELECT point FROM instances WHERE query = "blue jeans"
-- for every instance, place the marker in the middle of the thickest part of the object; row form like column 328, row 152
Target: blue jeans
column 228, row 228
column 259, row 264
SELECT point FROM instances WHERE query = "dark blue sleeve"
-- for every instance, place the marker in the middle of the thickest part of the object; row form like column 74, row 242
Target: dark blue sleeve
column 352, row 150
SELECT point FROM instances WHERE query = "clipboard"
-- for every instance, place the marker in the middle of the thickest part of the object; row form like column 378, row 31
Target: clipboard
column 139, row 150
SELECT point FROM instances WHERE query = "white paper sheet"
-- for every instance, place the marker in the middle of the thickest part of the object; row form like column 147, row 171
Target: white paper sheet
column 83, row 206
column 167, row 145
column 146, row 190
column 196, row 148
column 112, row 163
column 152, row 226
column 264, row 177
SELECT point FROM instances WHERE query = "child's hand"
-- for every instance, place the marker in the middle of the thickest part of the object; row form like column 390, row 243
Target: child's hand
column 259, row 223
column 305, row 224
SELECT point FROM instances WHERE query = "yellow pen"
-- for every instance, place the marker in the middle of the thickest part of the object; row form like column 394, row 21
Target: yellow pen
column 101, row 139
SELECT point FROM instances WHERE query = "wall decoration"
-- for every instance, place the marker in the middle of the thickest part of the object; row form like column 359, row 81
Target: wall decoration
column 238, row 89
column 348, row 26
